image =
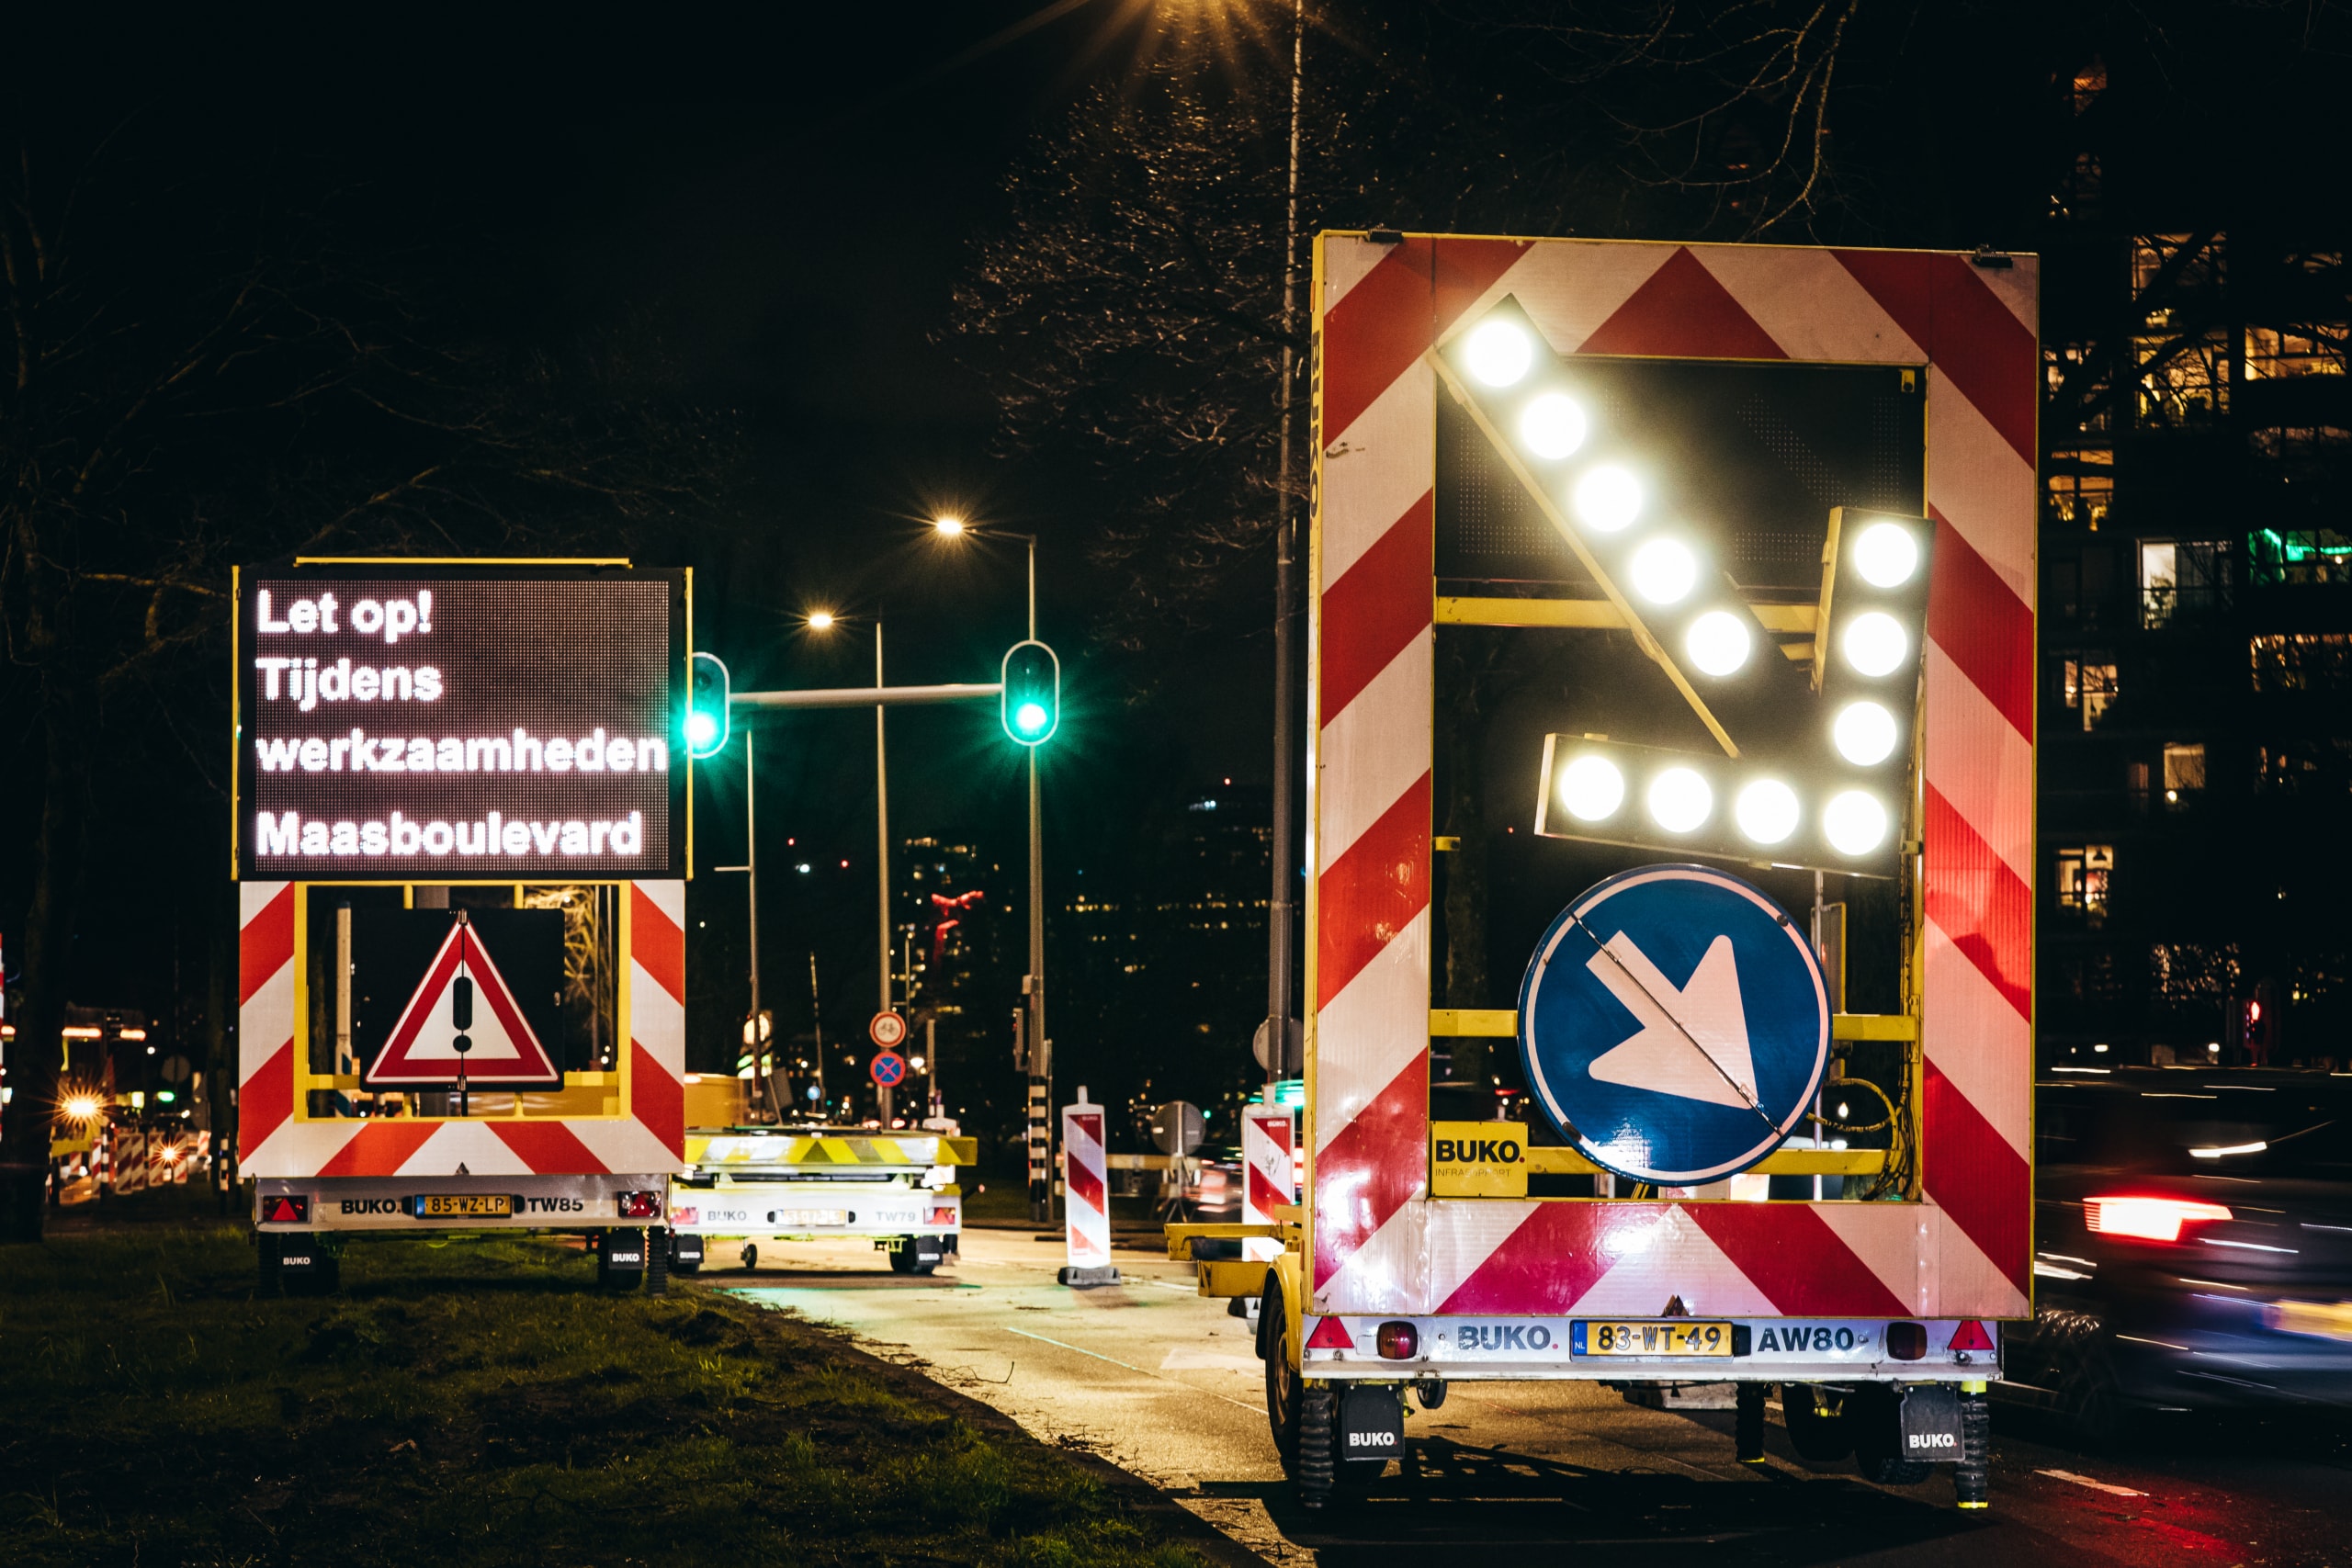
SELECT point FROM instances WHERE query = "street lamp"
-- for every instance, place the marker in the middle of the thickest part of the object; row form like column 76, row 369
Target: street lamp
column 947, row 525
column 822, row 620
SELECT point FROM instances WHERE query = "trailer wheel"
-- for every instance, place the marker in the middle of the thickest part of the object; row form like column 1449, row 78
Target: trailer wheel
column 1284, row 1387
column 1875, row 1416
column 751, row 1255
column 907, row 1256
column 1816, row 1421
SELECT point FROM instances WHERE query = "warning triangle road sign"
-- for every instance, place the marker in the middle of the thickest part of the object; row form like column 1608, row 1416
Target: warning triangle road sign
column 422, row 1052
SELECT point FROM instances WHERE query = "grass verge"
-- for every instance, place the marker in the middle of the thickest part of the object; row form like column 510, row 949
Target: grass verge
column 481, row 1401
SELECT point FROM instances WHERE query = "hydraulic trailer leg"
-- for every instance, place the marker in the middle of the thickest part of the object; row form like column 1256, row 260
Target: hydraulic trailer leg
column 1749, row 1428
column 1969, row 1480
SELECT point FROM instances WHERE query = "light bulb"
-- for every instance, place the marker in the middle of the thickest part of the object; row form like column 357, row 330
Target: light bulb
column 1665, row 571
column 1679, row 800
column 1552, row 426
column 1875, row 643
column 1886, row 555
column 1591, row 788
column 1855, row 823
column 1864, row 733
column 1607, row 498
column 1498, row 353
column 1767, row 811
column 1718, row 642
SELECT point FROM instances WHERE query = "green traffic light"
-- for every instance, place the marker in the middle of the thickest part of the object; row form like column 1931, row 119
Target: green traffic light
column 1033, row 694
column 710, row 693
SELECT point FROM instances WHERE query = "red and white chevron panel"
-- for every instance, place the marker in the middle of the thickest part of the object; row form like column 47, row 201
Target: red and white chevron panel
column 1380, row 1243
column 1268, row 1175
column 649, row 1137
column 1085, row 1185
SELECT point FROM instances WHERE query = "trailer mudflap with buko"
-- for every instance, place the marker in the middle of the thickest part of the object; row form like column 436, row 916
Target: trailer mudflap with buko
column 1731, row 548
column 749, row 1185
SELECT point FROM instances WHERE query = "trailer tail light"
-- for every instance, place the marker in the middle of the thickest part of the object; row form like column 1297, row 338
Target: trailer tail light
column 286, row 1209
column 1906, row 1341
column 640, row 1205
column 1330, row 1334
column 1398, row 1341
column 2149, row 1219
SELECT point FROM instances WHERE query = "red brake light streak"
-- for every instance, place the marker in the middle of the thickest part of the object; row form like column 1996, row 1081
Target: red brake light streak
column 2149, row 1219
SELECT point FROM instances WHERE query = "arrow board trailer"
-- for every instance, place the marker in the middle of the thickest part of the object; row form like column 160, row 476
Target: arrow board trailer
column 461, row 827
column 749, row 1185
column 1728, row 551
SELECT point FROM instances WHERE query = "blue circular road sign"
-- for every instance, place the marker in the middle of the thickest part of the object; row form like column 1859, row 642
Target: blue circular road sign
column 1674, row 1024
column 888, row 1068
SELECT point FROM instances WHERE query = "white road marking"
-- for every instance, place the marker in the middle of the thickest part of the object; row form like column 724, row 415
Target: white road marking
column 1116, row 1362
column 1184, row 1361
column 2094, row 1485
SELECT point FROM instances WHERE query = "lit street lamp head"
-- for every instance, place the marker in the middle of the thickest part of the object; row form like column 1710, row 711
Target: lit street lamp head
column 820, row 620
column 948, row 526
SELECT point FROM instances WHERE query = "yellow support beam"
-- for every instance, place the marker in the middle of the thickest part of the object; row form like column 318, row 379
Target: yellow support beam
column 1501, row 1023
column 1784, row 1161
column 1873, row 1026
column 1592, row 615
column 1458, row 1023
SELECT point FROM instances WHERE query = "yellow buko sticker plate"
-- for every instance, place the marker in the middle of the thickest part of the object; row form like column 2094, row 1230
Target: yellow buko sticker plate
column 1478, row 1159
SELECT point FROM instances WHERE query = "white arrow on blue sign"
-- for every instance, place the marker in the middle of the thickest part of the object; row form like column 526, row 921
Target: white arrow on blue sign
column 1674, row 1024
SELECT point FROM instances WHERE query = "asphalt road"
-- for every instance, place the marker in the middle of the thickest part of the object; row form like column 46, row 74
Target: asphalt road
column 1164, row 1384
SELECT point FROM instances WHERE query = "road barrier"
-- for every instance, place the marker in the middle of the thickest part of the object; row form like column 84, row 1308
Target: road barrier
column 1085, row 1175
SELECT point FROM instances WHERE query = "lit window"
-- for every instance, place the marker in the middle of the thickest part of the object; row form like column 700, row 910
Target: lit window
column 2090, row 81
column 2184, row 773
column 2298, row 556
column 2276, row 353
column 2192, row 264
column 2088, row 688
column 2080, row 486
column 2184, row 378
column 2084, row 874
column 2184, row 580
column 2301, row 661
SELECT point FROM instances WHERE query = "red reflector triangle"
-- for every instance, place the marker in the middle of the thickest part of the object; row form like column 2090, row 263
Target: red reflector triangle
column 1330, row 1334
column 421, row 1050
column 1971, row 1335
column 281, row 1212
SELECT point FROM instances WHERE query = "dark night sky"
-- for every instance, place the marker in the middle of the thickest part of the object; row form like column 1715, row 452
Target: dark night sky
column 785, row 209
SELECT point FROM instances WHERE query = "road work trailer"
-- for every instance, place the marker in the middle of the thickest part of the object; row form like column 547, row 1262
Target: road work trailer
column 744, row 1185
column 461, row 827
column 1728, row 551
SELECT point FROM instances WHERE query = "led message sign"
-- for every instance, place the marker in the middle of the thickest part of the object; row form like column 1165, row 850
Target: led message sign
column 453, row 723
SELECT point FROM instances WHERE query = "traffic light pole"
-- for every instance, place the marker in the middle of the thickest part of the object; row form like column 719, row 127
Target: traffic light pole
column 1041, row 1066
column 881, row 859
column 761, row 1062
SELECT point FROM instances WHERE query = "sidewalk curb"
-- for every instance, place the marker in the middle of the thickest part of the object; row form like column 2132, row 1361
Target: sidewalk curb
column 1147, row 1504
